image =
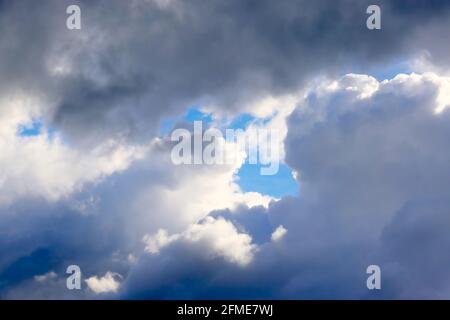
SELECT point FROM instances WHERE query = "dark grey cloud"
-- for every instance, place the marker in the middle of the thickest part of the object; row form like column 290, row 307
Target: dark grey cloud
column 134, row 62
column 413, row 247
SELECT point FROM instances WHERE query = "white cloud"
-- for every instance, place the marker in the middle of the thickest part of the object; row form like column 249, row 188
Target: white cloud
column 157, row 241
column 189, row 192
column 45, row 277
column 279, row 233
column 214, row 237
column 108, row 283
column 44, row 166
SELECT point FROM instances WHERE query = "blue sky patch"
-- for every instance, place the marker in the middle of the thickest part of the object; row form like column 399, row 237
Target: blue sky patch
column 32, row 130
column 277, row 185
column 242, row 121
column 35, row 129
column 193, row 114
column 249, row 175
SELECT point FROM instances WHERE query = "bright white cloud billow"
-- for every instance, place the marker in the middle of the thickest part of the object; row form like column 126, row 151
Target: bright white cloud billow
column 279, row 233
column 42, row 165
column 107, row 283
column 215, row 237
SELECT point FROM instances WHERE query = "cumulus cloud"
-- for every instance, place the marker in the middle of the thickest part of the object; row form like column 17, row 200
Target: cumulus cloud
column 279, row 233
column 123, row 219
column 215, row 237
column 107, row 283
column 370, row 156
column 43, row 165
column 367, row 152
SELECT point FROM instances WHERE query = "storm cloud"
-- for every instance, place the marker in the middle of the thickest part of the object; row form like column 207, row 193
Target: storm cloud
column 93, row 185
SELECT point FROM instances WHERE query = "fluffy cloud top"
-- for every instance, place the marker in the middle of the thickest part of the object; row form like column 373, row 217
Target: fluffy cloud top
column 216, row 237
column 107, row 283
column 279, row 233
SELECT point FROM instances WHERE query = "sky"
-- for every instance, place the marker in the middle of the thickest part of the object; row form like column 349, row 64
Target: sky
column 87, row 177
